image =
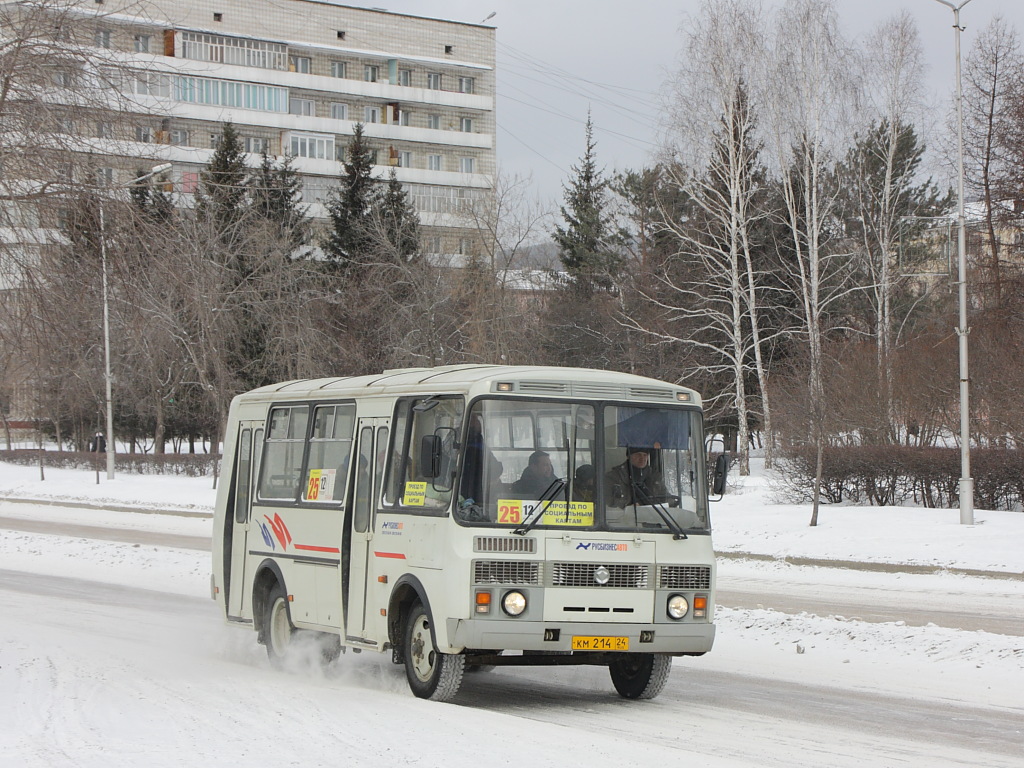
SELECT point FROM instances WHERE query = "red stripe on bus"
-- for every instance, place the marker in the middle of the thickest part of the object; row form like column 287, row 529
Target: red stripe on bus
column 396, row 555
column 317, row 549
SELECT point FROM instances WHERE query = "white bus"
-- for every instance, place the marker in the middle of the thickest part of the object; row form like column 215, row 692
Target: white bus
column 463, row 517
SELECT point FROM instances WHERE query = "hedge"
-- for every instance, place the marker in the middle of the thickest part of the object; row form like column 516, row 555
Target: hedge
column 894, row 474
column 187, row 464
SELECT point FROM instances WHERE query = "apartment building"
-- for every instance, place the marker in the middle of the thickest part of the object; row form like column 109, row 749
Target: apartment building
column 295, row 77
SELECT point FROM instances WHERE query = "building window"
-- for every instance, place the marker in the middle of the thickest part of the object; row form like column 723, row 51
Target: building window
column 374, row 156
column 301, row 64
column 339, row 111
column 225, row 93
column 341, row 34
column 104, row 177
column 102, row 38
column 434, row 162
column 302, row 107
column 144, row 134
column 141, row 43
column 257, row 145
column 104, row 130
column 466, row 125
column 316, row 146
column 152, row 84
column 337, row 69
column 434, row 244
column 467, row 164
column 467, row 85
column 65, row 125
column 64, row 78
column 405, row 77
column 371, row 115
column 234, row 50
column 449, row 49
column 218, row 16
column 434, row 81
column 371, row 73
column 405, row 159
column 339, row 151
column 434, row 121
column 403, row 117
column 215, row 140
column 189, row 182
column 178, row 136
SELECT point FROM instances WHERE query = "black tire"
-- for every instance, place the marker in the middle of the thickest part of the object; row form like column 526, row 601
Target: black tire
column 278, row 629
column 432, row 675
column 640, row 675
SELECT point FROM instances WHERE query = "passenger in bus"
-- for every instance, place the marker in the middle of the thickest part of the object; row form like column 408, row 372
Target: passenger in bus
column 634, row 481
column 584, row 482
column 480, row 469
column 536, row 478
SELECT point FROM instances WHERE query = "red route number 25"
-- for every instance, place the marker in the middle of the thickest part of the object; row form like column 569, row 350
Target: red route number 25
column 510, row 512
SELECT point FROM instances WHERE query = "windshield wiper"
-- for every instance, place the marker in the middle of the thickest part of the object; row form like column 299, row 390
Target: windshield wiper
column 545, row 501
column 677, row 532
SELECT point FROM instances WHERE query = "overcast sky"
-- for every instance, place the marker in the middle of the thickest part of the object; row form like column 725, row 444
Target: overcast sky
column 556, row 59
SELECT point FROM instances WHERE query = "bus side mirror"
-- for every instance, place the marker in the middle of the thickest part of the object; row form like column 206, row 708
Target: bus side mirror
column 718, row 478
column 430, row 456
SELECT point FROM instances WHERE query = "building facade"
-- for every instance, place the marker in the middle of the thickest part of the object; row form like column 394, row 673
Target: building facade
column 294, row 77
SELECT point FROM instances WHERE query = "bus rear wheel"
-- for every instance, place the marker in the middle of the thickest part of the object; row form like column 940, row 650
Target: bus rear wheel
column 432, row 674
column 278, row 631
column 640, row 675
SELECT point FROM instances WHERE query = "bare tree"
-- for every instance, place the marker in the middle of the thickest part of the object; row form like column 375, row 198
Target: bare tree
column 992, row 67
column 808, row 93
column 716, row 293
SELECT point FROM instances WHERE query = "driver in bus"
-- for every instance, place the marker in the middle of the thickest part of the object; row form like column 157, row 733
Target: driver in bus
column 634, row 481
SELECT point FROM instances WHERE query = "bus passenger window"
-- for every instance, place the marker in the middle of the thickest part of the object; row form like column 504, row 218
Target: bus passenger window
column 329, row 450
column 283, row 447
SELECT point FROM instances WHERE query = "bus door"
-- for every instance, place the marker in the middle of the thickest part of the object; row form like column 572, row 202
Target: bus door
column 371, row 448
column 247, row 455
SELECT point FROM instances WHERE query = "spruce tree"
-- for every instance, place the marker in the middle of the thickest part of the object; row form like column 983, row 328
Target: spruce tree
column 222, row 186
column 275, row 194
column 399, row 221
column 589, row 246
column 349, row 239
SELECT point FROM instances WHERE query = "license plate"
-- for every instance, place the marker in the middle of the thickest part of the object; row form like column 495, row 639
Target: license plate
column 585, row 643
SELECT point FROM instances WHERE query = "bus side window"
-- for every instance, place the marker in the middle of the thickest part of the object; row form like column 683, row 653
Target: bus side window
column 329, row 448
column 244, row 482
column 283, row 448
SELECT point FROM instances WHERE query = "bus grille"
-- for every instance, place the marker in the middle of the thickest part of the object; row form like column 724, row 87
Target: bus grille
column 506, row 572
column 684, row 577
column 504, row 544
column 582, row 575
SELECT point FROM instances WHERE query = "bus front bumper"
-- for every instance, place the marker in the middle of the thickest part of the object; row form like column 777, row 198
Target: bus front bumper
column 558, row 637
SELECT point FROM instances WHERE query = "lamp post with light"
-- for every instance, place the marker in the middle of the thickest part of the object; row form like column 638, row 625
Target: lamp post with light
column 966, row 481
column 106, row 318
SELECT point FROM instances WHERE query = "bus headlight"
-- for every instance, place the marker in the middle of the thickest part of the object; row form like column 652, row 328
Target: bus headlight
column 677, row 606
column 513, row 603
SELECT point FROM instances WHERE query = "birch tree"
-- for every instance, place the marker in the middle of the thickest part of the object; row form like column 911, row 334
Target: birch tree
column 809, row 92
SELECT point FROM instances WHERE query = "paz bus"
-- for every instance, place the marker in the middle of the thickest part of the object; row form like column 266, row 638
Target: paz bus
column 465, row 517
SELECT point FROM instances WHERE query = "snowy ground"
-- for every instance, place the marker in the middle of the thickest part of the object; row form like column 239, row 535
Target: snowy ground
column 55, row 711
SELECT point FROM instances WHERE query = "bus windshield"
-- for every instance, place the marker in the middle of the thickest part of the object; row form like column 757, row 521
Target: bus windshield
column 581, row 465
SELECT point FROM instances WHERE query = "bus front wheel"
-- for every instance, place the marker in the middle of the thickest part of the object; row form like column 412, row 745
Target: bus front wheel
column 432, row 674
column 640, row 675
column 278, row 631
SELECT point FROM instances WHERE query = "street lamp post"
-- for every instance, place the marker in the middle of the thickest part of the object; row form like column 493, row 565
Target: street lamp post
column 106, row 321
column 966, row 481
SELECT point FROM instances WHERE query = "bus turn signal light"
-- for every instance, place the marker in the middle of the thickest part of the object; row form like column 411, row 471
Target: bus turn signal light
column 700, row 607
column 483, row 602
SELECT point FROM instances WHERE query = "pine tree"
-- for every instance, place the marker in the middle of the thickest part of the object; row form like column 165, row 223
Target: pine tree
column 589, row 245
column 349, row 240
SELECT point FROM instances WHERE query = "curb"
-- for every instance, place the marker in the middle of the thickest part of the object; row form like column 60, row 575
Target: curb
column 859, row 565
column 109, row 507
